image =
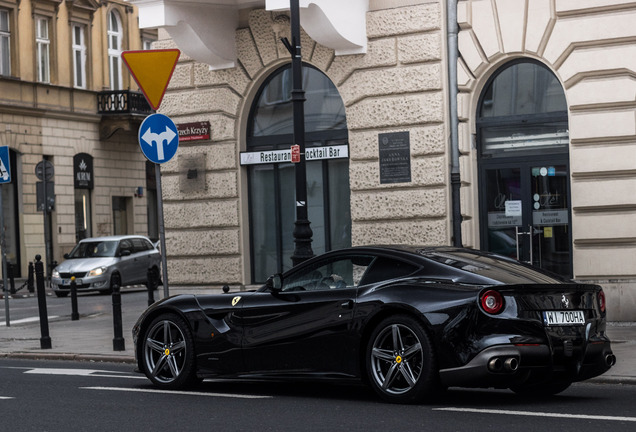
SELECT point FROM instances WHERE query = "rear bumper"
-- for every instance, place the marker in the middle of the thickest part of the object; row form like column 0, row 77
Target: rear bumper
column 503, row 366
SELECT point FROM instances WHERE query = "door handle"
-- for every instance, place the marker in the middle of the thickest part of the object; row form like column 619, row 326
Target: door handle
column 347, row 305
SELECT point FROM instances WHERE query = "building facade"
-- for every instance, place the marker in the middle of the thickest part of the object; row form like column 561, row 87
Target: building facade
column 70, row 121
column 546, row 133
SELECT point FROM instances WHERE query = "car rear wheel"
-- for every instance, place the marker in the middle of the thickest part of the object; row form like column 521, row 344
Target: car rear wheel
column 168, row 353
column 400, row 361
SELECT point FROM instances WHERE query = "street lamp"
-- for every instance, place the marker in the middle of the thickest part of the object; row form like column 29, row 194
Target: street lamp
column 302, row 229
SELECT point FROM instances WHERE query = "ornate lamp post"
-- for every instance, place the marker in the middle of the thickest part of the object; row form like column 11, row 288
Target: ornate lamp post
column 302, row 229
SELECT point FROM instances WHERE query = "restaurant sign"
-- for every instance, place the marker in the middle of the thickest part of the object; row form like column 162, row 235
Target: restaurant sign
column 279, row 156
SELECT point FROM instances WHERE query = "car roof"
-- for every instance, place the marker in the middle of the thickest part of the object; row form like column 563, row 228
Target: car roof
column 113, row 238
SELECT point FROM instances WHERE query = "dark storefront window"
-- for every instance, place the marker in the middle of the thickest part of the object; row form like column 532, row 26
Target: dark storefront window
column 272, row 185
column 523, row 140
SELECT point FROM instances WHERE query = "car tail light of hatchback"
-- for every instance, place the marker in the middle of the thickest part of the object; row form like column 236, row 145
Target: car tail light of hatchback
column 492, row 302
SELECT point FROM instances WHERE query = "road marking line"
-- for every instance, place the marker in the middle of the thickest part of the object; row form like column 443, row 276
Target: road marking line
column 539, row 414
column 137, row 390
column 24, row 320
column 6, row 397
column 83, row 372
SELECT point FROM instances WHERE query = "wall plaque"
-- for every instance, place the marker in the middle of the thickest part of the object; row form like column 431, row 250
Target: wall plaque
column 395, row 157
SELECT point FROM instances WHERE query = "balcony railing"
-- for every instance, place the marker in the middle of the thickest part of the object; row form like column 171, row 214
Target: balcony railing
column 122, row 102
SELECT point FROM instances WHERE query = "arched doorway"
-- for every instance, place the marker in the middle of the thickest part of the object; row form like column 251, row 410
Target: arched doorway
column 271, row 174
column 524, row 180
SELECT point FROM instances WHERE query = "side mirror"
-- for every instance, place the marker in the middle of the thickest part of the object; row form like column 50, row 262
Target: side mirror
column 65, row 256
column 275, row 283
column 125, row 252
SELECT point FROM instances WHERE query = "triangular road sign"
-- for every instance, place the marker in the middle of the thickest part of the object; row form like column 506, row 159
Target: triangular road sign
column 152, row 70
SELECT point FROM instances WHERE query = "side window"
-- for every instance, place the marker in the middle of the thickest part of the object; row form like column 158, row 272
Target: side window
column 387, row 268
column 125, row 245
column 139, row 245
column 335, row 273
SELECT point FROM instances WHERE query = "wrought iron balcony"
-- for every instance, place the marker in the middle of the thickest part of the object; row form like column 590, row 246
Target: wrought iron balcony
column 122, row 102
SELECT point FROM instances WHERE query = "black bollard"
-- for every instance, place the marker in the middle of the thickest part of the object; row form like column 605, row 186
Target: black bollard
column 74, row 312
column 45, row 340
column 119, row 344
column 150, row 286
column 11, row 278
column 30, row 284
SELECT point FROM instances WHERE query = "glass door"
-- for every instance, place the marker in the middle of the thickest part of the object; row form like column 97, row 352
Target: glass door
column 526, row 210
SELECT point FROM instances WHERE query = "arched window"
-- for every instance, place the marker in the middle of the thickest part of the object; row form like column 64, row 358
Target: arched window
column 115, row 36
column 523, row 109
column 524, row 180
column 272, row 185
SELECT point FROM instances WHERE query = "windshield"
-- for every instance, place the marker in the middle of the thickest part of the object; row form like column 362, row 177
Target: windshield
column 96, row 249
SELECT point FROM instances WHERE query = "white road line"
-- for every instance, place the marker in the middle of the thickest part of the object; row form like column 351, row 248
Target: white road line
column 83, row 372
column 176, row 392
column 24, row 320
column 539, row 414
column 6, row 397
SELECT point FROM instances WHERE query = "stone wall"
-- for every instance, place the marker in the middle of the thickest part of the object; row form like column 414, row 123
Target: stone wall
column 398, row 85
column 591, row 47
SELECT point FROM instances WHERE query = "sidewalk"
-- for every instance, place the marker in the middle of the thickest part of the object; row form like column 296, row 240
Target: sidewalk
column 91, row 339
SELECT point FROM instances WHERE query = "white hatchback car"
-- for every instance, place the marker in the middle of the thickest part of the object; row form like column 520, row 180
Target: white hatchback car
column 100, row 263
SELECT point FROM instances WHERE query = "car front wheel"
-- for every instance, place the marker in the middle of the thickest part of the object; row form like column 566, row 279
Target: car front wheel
column 400, row 361
column 168, row 353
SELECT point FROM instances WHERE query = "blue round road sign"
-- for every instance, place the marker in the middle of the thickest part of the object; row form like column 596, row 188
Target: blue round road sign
column 158, row 138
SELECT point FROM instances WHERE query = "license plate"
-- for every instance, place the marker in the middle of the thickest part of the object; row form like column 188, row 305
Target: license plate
column 67, row 282
column 563, row 318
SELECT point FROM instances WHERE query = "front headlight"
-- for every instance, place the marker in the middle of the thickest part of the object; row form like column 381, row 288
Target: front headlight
column 55, row 274
column 97, row 272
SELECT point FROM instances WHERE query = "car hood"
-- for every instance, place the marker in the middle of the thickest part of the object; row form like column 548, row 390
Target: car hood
column 84, row 264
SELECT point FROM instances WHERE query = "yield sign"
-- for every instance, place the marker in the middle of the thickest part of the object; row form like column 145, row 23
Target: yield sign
column 152, row 70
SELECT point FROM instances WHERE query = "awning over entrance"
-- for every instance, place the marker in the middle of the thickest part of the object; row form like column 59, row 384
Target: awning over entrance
column 205, row 29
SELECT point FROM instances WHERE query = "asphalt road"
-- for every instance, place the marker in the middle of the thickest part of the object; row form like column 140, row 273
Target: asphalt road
column 61, row 396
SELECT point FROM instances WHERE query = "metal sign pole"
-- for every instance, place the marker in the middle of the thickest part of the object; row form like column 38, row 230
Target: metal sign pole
column 4, row 264
column 47, row 252
column 162, row 234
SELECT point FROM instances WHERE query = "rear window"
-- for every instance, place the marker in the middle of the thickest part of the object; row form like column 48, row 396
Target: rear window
column 497, row 269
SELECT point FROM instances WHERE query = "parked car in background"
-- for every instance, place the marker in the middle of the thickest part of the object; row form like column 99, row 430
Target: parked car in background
column 100, row 263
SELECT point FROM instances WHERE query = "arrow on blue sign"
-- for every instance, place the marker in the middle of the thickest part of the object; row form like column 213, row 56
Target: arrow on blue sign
column 158, row 138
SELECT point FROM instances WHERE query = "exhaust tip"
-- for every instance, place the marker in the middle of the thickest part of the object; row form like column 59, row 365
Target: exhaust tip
column 495, row 364
column 610, row 359
column 511, row 364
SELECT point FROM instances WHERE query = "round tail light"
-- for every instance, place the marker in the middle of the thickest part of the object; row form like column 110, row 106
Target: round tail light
column 492, row 302
column 601, row 300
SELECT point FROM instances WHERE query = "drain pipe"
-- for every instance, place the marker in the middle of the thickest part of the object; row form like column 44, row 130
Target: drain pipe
column 453, row 54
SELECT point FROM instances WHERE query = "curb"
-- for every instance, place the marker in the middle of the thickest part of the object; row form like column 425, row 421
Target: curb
column 100, row 358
